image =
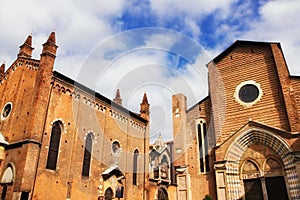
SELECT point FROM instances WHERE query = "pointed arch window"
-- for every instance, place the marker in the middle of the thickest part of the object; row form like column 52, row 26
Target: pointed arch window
column 164, row 168
column 54, row 146
column 7, row 179
column 203, row 145
column 108, row 195
column 135, row 160
column 87, row 155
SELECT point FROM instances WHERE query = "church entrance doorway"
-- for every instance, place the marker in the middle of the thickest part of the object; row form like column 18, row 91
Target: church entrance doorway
column 253, row 189
column 276, row 188
column 267, row 183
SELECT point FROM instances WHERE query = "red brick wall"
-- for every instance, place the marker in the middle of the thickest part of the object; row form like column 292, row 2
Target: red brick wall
column 80, row 117
column 17, row 87
column 296, row 94
column 249, row 62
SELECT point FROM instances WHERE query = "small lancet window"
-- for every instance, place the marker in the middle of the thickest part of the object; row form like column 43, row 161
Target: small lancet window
column 87, row 155
column 54, row 146
column 203, row 146
column 164, row 167
column 135, row 165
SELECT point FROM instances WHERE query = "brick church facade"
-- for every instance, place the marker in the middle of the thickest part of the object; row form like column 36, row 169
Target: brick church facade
column 65, row 140
column 242, row 141
column 62, row 140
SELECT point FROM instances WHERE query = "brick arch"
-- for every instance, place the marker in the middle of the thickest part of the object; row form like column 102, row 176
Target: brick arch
column 258, row 136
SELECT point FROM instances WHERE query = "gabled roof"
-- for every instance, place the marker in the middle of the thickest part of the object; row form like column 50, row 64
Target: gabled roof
column 113, row 170
column 249, row 124
column 236, row 43
column 199, row 102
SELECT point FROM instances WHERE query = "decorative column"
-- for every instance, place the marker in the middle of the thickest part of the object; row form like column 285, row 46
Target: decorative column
column 295, row 182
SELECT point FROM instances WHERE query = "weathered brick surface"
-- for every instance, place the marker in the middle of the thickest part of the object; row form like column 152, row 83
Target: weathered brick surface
column 276, row 111
column 39, row 99
column 243, row 63
column 81, row 116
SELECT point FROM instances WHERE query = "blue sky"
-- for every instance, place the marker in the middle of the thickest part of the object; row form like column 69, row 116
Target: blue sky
column 167, row 59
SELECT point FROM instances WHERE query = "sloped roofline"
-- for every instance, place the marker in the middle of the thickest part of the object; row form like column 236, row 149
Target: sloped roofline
column 196, row 104
column 97, row 95
column 280, row 132
column 233, row 45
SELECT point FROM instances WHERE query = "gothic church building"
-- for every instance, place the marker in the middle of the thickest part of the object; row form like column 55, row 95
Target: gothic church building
column 241, row 141
column 62, row 140
column 66, row 141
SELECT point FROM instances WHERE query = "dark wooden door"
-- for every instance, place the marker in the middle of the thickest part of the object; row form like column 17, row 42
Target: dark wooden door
column 253, row 189
column 276, row 188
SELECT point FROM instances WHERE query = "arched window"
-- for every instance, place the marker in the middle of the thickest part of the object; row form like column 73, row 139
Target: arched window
column 134, row 175
column 164, row 168
column 116, row 147
column 202, row 145
column 54, row 146
column 7, row 179
column 108, row 195
column 87, row 155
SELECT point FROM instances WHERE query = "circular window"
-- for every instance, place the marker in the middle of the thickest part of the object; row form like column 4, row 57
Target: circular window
column 6, row 110
column 248, row 93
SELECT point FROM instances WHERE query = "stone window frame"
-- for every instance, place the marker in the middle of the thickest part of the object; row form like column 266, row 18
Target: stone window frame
column 238, row 88
column 10, row 167
column 10, row 171
column 2, row 112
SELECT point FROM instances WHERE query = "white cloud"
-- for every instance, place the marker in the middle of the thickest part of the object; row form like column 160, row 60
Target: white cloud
column 279, row 23
column 192, row 8
column 84, row 32
column 138, row 61
column 192, row 27
column 79, row 25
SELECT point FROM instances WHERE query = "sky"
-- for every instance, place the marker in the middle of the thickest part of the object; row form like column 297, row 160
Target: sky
column 159, row 47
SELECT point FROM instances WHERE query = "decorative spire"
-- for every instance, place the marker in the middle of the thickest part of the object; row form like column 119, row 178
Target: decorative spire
column 28, row 40
column 159, row 143
column 51, row 37
column 49, row 47
column 26, row 48
column 145, row 111
column 118, row 98
column 145, row 100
